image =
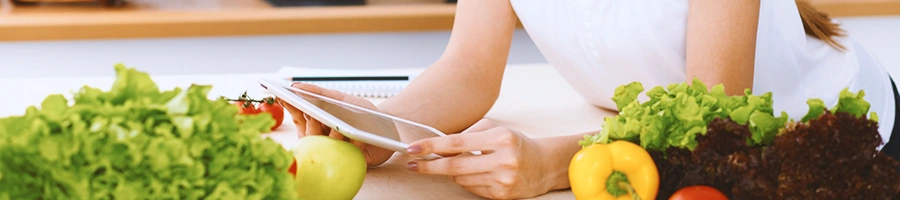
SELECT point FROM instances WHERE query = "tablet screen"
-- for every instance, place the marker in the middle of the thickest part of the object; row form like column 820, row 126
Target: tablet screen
column 369, row 121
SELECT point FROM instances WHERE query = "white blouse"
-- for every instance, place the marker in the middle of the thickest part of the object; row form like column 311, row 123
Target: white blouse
column 598, row 45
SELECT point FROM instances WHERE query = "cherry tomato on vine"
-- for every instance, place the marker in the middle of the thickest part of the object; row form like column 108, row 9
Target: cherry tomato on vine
column 269, row 105
column 250, row 106
column 246, row 107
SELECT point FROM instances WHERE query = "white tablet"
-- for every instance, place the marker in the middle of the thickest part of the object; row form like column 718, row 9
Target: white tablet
column 355, row 122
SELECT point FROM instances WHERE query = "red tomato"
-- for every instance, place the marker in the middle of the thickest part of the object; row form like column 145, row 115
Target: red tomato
column 246, row 108
column 698, row 192
column 250, row 106
column 270, row 106
column 293, row 168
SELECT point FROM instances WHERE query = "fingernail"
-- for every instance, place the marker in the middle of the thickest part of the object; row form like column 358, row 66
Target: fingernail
column 412, row 166
column 415, row 149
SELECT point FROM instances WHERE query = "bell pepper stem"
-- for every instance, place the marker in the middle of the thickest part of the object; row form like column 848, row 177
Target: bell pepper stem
column 627, row 186
column 617, row 184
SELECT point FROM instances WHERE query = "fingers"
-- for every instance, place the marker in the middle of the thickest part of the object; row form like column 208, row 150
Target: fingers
column 376, row 155
column 306, row 126
column 338, row 136
column 448, row 154
column 459, row 143
column 301, row 130
column 481, row 125
column 454, row 166
column 319, row 90
column 447, row 145
column 358, row 144
column 314, row 127
column 334, row 94
column 298, row 117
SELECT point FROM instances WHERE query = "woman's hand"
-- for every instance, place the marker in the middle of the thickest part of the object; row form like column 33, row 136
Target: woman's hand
column 511, row 165
column 307, row 126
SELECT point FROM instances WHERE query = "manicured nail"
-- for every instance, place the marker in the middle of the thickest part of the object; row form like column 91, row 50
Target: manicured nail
column 412, row 166
column 415, row 149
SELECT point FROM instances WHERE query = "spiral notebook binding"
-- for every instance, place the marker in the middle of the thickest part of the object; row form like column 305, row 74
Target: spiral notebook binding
column 366, row 83
column 365, row 89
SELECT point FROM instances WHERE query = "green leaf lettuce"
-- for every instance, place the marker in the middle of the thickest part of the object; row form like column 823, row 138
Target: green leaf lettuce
column 677, row 114
column 137, row 142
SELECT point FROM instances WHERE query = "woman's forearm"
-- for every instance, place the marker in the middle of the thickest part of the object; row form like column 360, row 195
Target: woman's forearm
column 559, row 151
column 460, row 88
column 449, row 96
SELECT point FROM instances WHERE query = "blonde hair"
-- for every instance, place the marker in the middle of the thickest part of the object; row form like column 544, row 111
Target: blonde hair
column 819, row 25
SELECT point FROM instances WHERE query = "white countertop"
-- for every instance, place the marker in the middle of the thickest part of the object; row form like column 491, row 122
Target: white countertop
column 534, row 100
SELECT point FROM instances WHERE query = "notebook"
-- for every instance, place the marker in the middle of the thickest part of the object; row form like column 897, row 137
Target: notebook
column 367, row 83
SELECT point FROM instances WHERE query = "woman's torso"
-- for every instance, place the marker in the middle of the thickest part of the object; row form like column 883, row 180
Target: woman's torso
column 601, row 44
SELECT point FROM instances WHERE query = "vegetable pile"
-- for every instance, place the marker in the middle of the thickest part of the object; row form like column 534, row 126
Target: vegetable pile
column 135, row 141
column 736, row 145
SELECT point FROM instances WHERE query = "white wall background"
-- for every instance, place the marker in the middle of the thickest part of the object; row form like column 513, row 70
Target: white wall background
column 260, row 54
column 880, row 35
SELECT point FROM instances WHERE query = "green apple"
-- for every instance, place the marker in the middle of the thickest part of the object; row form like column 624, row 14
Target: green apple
column 328, row 169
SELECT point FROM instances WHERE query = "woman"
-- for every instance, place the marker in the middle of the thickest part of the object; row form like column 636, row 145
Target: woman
column 597, row 45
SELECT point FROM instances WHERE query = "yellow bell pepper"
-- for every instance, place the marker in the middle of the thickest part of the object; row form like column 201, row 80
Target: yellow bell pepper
column 618, row 170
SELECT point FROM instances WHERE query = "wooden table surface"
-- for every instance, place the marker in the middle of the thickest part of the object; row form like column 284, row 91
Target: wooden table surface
column 193, row 18
column 534, row 100
column 216, row 18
